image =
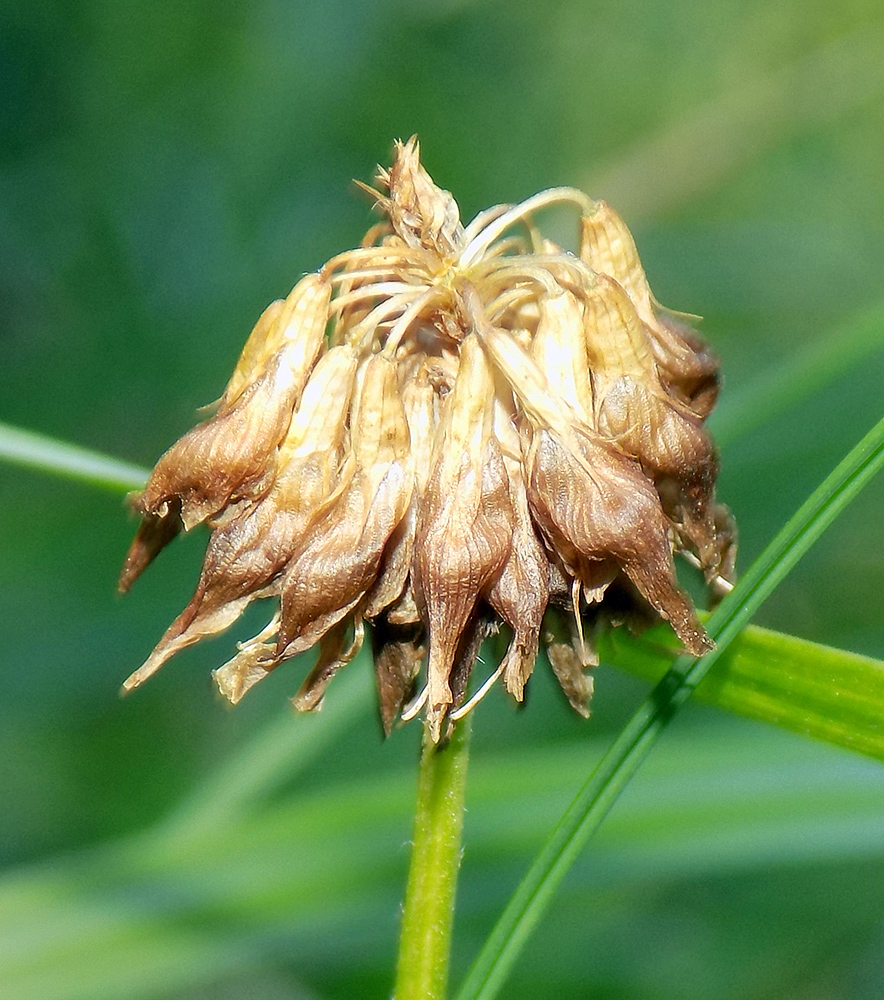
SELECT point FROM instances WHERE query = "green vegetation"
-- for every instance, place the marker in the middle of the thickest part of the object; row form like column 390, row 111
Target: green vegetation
column 165, row 171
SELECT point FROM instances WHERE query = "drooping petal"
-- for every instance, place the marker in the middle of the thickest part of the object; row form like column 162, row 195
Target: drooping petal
column 465, row 523
column 225, row 457
column 596, row 505
column 294, row 326
column 153, row 535
column 332, row 573
column 398, row 653
column 418, row 402
column 606, row 244
column 559, row 348
column 569, row 662
column 336, row 649
column 688, row 367
column 521, row 592
column 644, row 422
column 248, row 551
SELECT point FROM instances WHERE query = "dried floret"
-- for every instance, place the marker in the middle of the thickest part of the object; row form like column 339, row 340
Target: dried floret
column 448, row 430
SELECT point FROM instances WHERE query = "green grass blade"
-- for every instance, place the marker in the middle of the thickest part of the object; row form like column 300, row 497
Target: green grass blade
column 829, row 694
column 612, row 774
column 49, row 455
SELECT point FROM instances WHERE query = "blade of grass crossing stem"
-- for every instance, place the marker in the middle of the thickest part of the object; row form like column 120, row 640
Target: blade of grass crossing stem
column 828, row 694
column 604, row 785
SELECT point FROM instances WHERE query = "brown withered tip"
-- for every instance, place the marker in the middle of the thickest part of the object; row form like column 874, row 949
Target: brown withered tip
column 448, row 429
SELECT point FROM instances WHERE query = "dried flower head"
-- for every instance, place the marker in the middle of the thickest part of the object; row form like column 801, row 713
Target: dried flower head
column 449, row 428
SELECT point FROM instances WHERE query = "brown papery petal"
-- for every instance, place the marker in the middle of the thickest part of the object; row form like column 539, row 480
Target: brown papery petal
column 246, row 552
column 226, row 453
column 249, row 666
column 636, row 413
column 254, row 357
column 572, row 677
column 616, row 342
column 465, row 524
column 223, row 457
column 597, row 505
column 153, row 535
column 418, row 400
column 723, row 563
column 296, row 325
column 396, row 563
column 398, row 653
column 673, row 447
column 331, row 574
column 422, row 214
column 536, row 397
column 521, row 592
column 688, row 368
column 606, row 244
column 336, row 649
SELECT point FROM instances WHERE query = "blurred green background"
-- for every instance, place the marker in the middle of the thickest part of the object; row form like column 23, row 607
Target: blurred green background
column 166, row 169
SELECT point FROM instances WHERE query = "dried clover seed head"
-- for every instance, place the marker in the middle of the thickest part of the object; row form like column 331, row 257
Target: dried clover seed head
column 447, row 429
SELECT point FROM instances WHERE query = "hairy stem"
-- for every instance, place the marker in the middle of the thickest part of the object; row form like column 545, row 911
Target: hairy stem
column 425, row 943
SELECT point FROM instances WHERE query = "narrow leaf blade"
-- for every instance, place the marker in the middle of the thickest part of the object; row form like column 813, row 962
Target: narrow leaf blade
column 37, row 451
column 829, row 694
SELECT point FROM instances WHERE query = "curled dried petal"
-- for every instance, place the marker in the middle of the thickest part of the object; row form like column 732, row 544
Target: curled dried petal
column 606, row 244
column 572, row 677
column 559, row 348
column 153, row 535
column 610, row 512
column 224, row 458
column 248, row 551
column 398, row 653
column 295, row 325
column 421, row 213
column 688, row 367
column 332, row 573
column 675, row 450
column 616, row 342
column 521, row 592
column 336, row 650
column 465, row 523
column 633, row 410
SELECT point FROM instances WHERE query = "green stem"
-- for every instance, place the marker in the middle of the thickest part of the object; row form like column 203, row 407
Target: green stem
column 425, row 943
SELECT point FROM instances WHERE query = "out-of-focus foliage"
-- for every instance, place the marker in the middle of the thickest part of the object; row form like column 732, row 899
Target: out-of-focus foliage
column 168, row 169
